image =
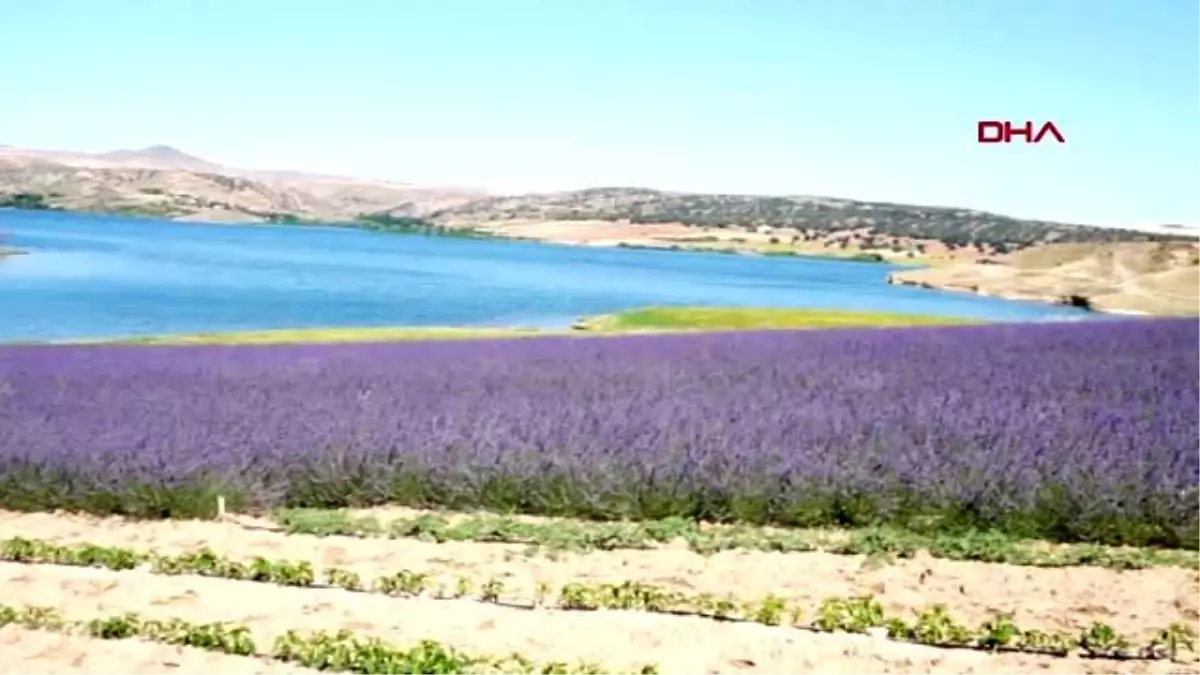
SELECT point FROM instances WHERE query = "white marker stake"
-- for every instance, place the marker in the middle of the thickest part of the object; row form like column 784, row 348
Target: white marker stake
column 220, row 507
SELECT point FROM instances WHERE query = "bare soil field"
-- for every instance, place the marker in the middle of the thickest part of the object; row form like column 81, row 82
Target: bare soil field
column 1137, row 278
column 765, row 240
column 1134, row 602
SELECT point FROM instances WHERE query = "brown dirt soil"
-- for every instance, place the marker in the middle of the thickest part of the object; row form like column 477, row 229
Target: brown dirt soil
column 618, row 639
column 1132, row 602
column 1141, row 278
column 665, row 235
column 587, row 232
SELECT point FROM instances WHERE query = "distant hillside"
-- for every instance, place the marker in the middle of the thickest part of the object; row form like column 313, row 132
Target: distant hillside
column 157, row 192
column 811, row 215
column 160, row 157
column 166, row 182
column 962, row 249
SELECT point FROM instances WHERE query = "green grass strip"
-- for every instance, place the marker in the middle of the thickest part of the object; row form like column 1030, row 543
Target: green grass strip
column 341, row 652
column 578, row 536
column 858, row 614
column 758, row 318
column 647, row 319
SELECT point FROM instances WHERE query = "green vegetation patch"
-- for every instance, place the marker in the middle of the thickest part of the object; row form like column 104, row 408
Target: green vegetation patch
column 666, row 319
column 340, row 652
column 382, row 222
column 747, row 318
column 30, row 201
column 550, row 536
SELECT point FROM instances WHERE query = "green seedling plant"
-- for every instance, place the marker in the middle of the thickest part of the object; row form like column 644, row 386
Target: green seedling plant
column 769, row 611
column 1101, row 641
column 577, row 596
column 203, row 562
column 998, row 633
column 716, row 607
column 491, row 590
column 342, row 651
column 344, row 579
column 850, row 615
column 859, row 614
column 404, row 583
column 935, row 627
column 541, row 594
column 1051, row 644
column 897, row 629
column 122, row 627
column 35, row 618
column 864, row 613
column 1170, row 641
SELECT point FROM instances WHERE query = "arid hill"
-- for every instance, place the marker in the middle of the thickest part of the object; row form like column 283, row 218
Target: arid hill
column 163, row 181
column 1149, row 278
column 815, row 217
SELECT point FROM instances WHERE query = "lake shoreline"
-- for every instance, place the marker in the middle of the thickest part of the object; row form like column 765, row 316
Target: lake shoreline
column 1023, row 297
column 1125, row 279
column 482, row 232
column 909, row 264
column 266, row 277
column 641, row 321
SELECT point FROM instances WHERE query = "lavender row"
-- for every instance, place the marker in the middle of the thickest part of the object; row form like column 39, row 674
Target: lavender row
column 1081, row 431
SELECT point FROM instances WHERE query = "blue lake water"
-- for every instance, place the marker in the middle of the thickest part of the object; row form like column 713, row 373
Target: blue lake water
column 101, row 276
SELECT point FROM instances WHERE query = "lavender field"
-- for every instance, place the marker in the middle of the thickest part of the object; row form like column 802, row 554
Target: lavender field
column 1081, row 431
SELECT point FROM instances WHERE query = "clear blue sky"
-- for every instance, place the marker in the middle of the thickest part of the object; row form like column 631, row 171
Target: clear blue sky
column 871, row 99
